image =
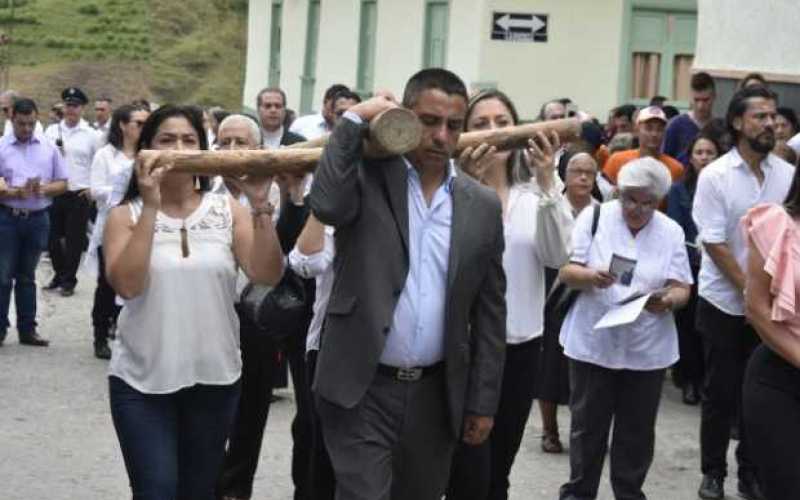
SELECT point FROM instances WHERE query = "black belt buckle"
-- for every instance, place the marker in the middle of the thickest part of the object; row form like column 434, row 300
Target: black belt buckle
column 409, row 374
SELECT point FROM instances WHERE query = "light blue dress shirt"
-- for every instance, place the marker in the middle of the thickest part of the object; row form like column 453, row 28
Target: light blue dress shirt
column 416, row 335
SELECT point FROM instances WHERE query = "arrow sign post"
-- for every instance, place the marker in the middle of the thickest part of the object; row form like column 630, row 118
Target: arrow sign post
column 514, row 27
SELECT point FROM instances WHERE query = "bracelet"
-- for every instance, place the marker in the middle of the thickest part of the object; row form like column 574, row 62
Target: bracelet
column 267, row 209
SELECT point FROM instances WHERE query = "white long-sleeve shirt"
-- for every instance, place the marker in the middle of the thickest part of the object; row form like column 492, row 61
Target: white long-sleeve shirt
column 537, row 229
column 79, row 146
column 320, row 267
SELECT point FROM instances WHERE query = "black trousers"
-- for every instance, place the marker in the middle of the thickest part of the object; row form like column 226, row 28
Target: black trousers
column 321, row 480
column 630, row 399
column 771, row 411
column 259, row 359
column 728, row 342
column 69, row 215
column 105, row 310
column 690, row 368
column 395, row 444
column 481, row 472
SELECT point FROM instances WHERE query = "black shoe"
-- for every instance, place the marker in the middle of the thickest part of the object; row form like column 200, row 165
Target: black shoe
column 33, row 339
column 750, row 490
column 711, row 488
column 68, row 291
column 102, row 351
column 691, row 395
column 54, row 284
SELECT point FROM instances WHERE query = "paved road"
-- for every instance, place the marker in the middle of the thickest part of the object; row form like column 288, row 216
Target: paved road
column 57, row 441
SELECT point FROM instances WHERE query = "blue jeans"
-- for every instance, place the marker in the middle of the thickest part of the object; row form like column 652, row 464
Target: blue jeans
column 22, row 240
column 173, row 444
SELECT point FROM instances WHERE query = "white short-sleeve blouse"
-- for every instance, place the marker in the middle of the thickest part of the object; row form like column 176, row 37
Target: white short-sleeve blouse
column 651, row 342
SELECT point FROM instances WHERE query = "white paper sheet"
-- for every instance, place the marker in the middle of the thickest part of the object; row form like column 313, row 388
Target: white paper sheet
column 623, row 314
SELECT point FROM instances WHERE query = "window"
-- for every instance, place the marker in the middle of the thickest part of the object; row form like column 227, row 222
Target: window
column 661, row 54
column 276, row 20
column 437, row 16
column 308, row 79
column 366, row 47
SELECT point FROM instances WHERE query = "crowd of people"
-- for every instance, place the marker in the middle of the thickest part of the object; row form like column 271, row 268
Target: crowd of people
column 424, row 301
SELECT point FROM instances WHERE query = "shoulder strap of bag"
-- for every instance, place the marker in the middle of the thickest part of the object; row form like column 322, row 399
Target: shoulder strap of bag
column 595, row 221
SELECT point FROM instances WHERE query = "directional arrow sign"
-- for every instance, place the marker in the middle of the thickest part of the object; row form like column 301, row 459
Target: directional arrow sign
column 515, row 27
column 531, row 24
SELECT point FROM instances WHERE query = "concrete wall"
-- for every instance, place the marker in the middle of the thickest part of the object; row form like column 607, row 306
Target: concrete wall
column 580, row 60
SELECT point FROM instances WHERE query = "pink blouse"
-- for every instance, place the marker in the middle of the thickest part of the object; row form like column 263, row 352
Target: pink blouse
column 776, row 236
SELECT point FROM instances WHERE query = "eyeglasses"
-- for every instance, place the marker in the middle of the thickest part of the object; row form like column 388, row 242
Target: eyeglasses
column 579, row 172
column 628, row 202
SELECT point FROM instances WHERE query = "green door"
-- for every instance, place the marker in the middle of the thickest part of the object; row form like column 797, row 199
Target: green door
column 366, row 48
column 310, row 63
column 275, row 44
column 437, row 16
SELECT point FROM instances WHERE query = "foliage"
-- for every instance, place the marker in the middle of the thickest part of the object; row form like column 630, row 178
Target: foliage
column 166, row 50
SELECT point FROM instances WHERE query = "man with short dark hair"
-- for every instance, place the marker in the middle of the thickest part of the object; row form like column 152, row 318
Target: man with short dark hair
column 31, row 172
column 622, row 120
column 726, row 189
column 271, row 106
column 6, row 105
column 413, row 341
column 553, row 110
column 343, row 101
column 682, row 129
column 102, row 115
column 319, row 124
column 69, row 214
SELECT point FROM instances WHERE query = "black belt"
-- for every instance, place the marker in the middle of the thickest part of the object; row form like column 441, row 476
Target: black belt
column 409, row 374
column 22, row 212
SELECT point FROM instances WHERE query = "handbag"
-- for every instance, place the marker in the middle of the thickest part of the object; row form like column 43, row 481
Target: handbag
column 277, row 311
column 561, row 297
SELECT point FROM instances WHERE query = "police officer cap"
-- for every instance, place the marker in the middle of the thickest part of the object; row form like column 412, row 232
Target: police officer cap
column 74, row 95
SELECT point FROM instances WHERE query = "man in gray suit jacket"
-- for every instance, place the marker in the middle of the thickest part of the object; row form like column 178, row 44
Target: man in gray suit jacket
column 413, row 343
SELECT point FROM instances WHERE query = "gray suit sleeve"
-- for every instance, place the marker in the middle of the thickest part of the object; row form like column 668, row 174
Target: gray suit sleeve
column 488, row 332
column 335, row 195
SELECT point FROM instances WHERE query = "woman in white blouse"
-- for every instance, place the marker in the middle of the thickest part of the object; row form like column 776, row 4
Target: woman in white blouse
column 616, row 373
column 110, row 175
column 537, row 225
column 173, row 252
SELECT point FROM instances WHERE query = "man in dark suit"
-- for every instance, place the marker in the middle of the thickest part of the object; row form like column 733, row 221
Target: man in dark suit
column 413, row 344
column 271, row 105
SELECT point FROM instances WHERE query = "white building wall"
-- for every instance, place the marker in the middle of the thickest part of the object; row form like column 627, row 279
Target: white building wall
column 257, row 71
column 337, row 57
column 580, row 59
column 293, row 48
column 401, row 35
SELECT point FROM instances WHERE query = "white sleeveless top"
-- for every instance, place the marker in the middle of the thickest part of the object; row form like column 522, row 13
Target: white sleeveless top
column 183, row 329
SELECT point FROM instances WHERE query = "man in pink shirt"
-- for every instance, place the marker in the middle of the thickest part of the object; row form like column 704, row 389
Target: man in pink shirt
column 32, row 171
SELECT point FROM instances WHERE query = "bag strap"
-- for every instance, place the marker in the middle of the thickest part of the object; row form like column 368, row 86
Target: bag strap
column 595, row 223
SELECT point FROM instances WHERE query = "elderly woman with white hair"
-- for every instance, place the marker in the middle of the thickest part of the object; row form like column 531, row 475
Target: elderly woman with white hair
column 617, row 368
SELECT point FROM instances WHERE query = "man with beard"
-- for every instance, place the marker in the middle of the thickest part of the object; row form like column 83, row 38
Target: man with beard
column 726, row 189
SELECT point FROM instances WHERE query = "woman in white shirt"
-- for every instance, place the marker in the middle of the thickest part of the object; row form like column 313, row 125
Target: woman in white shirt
column 616, row 373
column 110, row 175
column 537, row 226
column 172, row 252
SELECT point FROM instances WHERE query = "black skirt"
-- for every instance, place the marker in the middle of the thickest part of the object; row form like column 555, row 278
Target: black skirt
column 553, row 376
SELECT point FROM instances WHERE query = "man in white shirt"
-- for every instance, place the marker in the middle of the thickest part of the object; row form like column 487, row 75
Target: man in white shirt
column 794, row 143
column 726, row 189
column 102, row 114
column 319, row 124
column 69, row 214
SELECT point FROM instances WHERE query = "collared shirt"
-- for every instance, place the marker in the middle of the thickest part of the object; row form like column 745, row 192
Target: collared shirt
column 651, row 341
column 794, row 143
column 310, row 126
column 272, row 140
column 537, row 230
column 726, row 190
column 79, row 146
column 320, row 267
column 416, row 336
column 20, row 161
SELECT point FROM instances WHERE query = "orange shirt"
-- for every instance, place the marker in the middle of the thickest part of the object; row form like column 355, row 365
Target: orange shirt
column 617, row 160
